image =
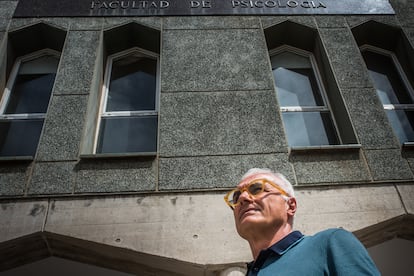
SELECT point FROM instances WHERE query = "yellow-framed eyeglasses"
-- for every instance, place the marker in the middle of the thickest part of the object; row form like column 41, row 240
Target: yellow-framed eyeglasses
column 254, row 189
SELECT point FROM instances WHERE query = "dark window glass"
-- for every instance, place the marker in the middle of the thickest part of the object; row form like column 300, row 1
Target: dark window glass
column 387, row 80
column 132, row 84
column 19, row 137
column 30, row 94
column 128, row 134
column 402, row 122
column 309, row 128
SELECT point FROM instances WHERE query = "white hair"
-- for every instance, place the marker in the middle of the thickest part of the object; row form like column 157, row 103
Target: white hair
column 278, row 178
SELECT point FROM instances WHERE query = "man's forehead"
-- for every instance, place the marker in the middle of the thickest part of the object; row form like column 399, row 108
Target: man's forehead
column 253, row 177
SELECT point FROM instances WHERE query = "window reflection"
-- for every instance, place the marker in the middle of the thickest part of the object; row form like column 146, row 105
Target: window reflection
column 129, row 123
column 25, row 102
column 387, row 80
column 392, row 90
column 132, row 85
column 305, row 114
column 309, row 128
column 19, row 137
column 128, row 134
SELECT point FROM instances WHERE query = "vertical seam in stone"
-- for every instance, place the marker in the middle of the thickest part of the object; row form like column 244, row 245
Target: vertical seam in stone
column 401, row 199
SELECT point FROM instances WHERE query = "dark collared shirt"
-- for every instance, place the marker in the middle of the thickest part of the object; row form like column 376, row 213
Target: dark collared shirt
column 330, row 252
column 278, row 248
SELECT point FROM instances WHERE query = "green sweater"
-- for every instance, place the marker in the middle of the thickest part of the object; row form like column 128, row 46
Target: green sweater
column 330, row 252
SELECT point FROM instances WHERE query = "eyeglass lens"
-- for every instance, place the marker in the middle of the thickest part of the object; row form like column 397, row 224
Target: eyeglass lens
column 252, row 189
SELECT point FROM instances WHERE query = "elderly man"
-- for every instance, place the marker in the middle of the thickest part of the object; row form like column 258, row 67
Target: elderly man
column 264, row 206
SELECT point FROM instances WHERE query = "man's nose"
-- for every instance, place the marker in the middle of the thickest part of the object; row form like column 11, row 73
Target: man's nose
column 245, row 196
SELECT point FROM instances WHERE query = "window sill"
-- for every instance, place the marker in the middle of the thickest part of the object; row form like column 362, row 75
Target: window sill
column 16, row 158
column 408, row 146
column 118, row 155
column 325, row 149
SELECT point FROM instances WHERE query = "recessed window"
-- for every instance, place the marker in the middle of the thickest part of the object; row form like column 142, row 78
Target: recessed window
column 305, row 111
column 393, row 89
column 24, row 102
column 129, row 110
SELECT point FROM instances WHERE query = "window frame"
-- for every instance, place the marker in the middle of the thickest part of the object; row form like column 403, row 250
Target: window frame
column 8, row 91
column 326, row 108
column 12, row 79
column 102, row 113
column 404, row 79
column 401, row 73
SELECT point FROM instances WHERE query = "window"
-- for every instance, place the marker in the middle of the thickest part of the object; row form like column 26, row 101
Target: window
column 305, row 111
column 24, row 102
column 129, row 110
column 393, row 89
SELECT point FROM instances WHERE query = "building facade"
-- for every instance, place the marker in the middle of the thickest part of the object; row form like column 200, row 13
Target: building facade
column 119, row 135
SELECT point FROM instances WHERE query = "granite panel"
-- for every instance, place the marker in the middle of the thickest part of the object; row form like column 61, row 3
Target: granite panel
column 333, row 21
column 388, row 165
column 123, row 175
column 62, row 130
column 60, row 22
column 329, row 167
column 6, row 13
column 13, row 179
column 112, row 22
column 86, row 23
column 376, row 132
column 52, row 178
column 210, row 172
column 77, row 63
column 268, row 21
column 404, row 9
column 220, row 123
column 354, row 21
column 214, row 60
column 410, row 34
column 342, row 52
column 211, row 22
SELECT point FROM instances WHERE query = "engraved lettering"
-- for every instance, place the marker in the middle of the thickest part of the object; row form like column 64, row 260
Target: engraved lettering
column 261, row 4
column 202, row 4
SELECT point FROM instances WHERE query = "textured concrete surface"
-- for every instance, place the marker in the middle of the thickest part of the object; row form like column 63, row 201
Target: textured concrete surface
column 189, row 227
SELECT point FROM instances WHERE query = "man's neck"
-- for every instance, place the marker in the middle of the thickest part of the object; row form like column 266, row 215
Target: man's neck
column 265, row 240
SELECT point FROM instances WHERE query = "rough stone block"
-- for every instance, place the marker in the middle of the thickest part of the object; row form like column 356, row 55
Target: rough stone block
column 268, row 21
column 342, row 52
column 215, row 60
column 52, row 178
column 220, row 123
column 13, row 179
column 375, row 132
column 6, row 13
column 216, row 171
column 211, row 22
column 404, row 10
column 63, row 128
column 124, row 175
column 333, row 21
column 329, row 167
column 58, row 22
column 388, row 165
column 112, row 22
column 77, row 63
column 354, row 21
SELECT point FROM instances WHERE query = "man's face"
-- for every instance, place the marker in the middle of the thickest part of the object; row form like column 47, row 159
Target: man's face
column 268, row 210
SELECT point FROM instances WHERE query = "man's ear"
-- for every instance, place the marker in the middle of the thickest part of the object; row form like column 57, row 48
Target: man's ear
column 292, row 206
